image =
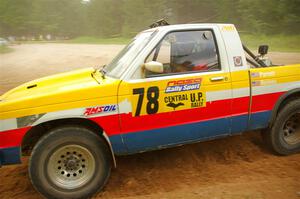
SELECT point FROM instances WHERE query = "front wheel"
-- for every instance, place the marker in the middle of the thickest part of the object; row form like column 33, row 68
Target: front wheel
column 284, row 136
column 69, row 162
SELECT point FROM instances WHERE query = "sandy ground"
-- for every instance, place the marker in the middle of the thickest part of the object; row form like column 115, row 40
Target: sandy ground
column 32, row 61
column 231, row 168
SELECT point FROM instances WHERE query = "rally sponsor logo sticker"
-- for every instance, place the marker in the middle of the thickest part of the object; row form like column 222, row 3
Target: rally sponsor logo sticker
column 237, row 61
column 99, row 110
column 254, row 75
column 263, row 74
column 228, row 28
column 267, row 74
column 183, row 85
column 197, row 100
column 176, row 101
column 264, row 82
column 175, row 105
column 190, row 100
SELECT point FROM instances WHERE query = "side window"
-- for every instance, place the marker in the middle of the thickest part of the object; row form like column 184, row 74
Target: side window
column 183, row 52
column 162, row 53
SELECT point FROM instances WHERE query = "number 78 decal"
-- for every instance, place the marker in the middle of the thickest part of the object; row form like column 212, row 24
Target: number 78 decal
column 152, row 105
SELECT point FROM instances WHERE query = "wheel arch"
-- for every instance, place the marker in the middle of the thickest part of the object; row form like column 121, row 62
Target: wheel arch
column 36, row 132
column 282, row 101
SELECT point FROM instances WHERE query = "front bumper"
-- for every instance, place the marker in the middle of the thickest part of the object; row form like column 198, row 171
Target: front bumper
column 11, row 155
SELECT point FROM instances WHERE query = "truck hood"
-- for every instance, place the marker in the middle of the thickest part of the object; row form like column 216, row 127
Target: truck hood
column 66, row 87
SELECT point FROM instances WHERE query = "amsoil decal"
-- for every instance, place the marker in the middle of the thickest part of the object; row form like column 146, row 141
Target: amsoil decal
column 100, row 109
column 183, row 85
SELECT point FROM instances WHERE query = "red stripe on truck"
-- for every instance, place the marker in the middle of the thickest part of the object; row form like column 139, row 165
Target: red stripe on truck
column 12, row 138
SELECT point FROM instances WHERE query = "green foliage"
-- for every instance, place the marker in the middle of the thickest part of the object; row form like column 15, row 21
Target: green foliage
column 124, row 18
column 104, row 17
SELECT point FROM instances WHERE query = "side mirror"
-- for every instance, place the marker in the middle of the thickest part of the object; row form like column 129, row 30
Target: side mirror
column 154, row 66
column 263, row 49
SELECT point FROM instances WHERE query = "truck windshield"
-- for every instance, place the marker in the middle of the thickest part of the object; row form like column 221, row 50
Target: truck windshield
column 122, row 61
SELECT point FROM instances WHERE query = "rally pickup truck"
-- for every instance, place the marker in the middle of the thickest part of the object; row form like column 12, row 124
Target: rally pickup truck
column 171, row 85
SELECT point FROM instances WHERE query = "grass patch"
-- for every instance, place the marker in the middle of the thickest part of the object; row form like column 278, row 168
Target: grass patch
column 279, row 43
column 5, row 49
column 96, row 40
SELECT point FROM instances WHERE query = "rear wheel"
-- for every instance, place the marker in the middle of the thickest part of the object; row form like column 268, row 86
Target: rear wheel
column 69, row 162
column 284, row 136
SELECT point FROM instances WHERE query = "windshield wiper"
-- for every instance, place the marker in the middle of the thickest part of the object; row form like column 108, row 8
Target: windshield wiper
column 103, row 71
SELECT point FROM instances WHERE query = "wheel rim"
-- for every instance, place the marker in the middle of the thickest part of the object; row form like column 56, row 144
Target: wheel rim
column 291, row 130
column 71, row 166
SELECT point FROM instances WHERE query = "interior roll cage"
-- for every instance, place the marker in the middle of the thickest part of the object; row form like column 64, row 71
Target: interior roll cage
column 256, row 61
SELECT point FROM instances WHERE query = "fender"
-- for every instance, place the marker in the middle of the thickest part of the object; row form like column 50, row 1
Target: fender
column 280, row 101
column 111, row 149
column 73, row 114
column 57, row 115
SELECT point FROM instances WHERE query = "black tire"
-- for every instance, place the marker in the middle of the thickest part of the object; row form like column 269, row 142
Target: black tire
column 80, row 141
column 276, row 137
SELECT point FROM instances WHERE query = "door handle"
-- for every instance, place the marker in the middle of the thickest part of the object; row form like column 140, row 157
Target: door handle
column 216, row 79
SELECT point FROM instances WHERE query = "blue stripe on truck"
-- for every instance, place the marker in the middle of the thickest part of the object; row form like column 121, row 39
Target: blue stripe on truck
column 10, row 155
column 188, row 133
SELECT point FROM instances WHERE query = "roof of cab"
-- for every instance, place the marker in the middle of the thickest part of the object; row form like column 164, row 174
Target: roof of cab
column 186, row 26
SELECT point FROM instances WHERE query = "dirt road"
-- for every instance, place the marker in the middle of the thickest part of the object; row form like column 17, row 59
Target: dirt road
column 29, row 62
column 231, row 168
